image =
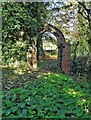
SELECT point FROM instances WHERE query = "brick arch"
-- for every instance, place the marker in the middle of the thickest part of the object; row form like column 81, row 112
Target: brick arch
column 63, row 47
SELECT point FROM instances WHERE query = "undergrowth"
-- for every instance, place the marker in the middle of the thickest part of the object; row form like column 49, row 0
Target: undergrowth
column 51, row 96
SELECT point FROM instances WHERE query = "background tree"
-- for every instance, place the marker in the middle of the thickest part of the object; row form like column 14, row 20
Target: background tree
column 21, row 22
column 84, row 9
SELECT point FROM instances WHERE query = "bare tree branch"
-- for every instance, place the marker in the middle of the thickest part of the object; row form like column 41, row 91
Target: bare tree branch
column 86, row 10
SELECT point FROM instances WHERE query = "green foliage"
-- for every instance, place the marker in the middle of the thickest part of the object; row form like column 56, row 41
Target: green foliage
column 14, row 52
column 79, row 65
column 20, row 22
column 23, row 16
column 51, row 96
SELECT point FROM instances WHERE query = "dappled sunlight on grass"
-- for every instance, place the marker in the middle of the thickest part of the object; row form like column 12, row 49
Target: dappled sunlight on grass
column 72, row 92
column 19, row 71
column 17, row 77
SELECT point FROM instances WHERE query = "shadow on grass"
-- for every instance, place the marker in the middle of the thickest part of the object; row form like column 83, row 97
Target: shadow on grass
column 17, row 77
column 49, row 65
column 11, row 79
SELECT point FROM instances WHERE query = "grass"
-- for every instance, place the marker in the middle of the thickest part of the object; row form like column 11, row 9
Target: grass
column 48, row 65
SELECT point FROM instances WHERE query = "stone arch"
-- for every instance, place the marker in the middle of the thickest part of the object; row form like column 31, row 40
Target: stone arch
column 63, row 47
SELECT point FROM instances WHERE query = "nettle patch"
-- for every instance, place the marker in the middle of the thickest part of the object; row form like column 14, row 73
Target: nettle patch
column 51, row 96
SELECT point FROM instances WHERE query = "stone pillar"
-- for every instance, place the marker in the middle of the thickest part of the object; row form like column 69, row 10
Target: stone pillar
column 34, row 53
column 60, row 52
column 29, row 57
column 66, row 59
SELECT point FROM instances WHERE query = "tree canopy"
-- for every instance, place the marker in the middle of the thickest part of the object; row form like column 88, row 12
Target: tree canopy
column 21, row 22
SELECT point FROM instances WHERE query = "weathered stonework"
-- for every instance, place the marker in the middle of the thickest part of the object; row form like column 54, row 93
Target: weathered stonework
column 64, row 49
column 34, row 52
column 66, row 58
column 32, row 56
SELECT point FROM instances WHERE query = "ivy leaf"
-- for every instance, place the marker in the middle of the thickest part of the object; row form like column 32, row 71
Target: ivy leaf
column 7, row 112
column 24, row 112
column 22, row 105
column 19, row 113
column 13, row 109
column 78, row 114
column 12, row 116
column 78, row 111
column 13, row 97
column 62, row 113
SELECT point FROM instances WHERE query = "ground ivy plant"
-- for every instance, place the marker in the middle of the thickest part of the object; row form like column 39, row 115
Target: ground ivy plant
column 51, row 96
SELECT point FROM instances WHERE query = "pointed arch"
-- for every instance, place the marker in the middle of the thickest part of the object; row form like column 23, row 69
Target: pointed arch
column 60, row 39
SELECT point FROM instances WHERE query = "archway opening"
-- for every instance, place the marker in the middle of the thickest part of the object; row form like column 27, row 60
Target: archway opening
column 48, row 52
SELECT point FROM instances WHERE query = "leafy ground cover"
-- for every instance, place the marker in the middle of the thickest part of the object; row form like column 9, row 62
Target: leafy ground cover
column 51, row 96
